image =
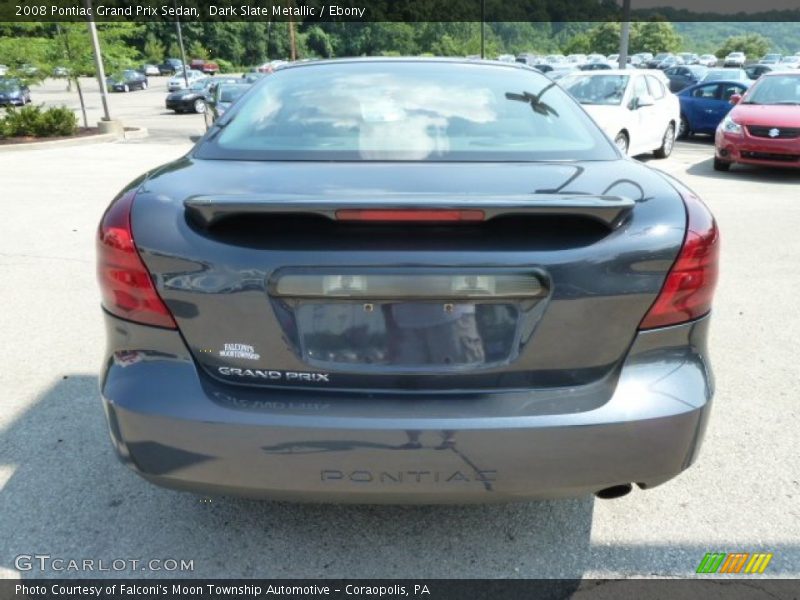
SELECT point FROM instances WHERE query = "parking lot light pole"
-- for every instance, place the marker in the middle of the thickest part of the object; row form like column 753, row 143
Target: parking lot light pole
column 180, row 44
column 483, row 35
column 98, row 61
column 625, row 34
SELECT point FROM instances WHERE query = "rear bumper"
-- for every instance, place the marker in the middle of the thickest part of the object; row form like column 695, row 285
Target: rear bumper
column 177, row 428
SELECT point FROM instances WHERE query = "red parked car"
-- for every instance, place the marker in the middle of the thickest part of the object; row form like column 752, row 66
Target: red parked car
column 764, row 126
column 206, row 66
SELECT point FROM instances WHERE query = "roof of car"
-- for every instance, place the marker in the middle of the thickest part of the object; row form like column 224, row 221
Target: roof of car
column 604, row 72
column 740, row 82
column 782, row 73
column 408, row 59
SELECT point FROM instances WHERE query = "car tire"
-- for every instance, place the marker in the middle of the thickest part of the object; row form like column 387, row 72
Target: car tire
column 667, row 142
column 721, row 165
column 126, row 88
column 683, row 129
column 622, row 142
column 199, row 106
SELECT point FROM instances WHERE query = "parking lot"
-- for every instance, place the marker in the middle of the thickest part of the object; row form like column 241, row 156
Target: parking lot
column 63, row 492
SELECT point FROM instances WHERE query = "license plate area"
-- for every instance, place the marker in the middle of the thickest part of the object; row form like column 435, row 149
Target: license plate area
column 385, row 335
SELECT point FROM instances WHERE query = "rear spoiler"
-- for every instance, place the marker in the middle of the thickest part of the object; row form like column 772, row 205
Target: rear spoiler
column 609, row 210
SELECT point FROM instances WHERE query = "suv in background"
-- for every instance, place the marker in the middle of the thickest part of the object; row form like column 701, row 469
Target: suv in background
column 170, row 66
column 204, row 66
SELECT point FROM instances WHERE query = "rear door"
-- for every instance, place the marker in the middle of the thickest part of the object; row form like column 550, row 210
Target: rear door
column 665, row 108
column 722, row 105
column 704, row 102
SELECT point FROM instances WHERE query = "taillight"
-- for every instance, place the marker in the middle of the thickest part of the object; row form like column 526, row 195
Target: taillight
column 689, row 287
column 409, row 215
column 125, row 283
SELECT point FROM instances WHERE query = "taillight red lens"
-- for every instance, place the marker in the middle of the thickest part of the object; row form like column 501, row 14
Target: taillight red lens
column 409, row 215
column 689, row 288
column 125, row 283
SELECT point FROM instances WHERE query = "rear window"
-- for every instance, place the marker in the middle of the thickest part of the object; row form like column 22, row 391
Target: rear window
column 411, row 111
column 596, row 89
column 229, row 93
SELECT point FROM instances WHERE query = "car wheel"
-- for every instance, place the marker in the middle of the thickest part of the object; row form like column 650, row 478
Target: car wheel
column 683, row 129
column 125, row 88
column 199, row 106
column 721, row 165
column 621, row 141
column 667, row 142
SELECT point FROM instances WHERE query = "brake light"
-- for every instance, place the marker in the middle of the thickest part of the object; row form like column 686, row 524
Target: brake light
column 409, row 215
column 689, row 287
column 125, row 284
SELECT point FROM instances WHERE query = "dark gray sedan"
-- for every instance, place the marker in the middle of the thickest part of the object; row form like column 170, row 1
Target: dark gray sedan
column 380, row 280
column 126, row 81
column 14, row 92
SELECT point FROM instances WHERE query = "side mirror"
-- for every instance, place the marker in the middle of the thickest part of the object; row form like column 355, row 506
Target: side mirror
column 645, row 100
column 735, row 98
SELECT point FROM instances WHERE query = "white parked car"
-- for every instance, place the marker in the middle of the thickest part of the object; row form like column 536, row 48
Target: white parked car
column 177, row 82
column 708, row 60
column 790, row 62
column 635, row 109
column 735, row 59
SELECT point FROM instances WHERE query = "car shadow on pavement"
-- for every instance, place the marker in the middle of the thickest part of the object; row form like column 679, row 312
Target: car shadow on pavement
column 751, row 173
column 69, row 496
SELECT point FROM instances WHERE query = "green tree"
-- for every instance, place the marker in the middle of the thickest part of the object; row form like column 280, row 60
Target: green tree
column 604, row 38
column 174, row 50
column 153, row 49
column 753, row 45
column 580, row 43
column 654, row 36
column 196, row 50
column 318, row 42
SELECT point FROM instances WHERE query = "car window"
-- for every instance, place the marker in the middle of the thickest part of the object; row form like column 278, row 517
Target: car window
column 707, row 92
column 229, row 93
column 639, row 87
column 407, row 111
column 729, row 89
column 656, row 87
column 596, row 89
column 775, row 89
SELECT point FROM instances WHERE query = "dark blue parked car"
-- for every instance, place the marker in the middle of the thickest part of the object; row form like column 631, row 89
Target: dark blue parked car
column 704, row 105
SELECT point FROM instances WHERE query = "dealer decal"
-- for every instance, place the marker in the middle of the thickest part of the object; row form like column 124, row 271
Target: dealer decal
column 245, row 351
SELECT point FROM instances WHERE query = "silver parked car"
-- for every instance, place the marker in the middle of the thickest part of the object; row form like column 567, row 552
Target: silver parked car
column 178, row 81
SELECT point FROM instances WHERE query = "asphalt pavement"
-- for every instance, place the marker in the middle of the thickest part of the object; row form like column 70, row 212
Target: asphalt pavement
column 63, row 492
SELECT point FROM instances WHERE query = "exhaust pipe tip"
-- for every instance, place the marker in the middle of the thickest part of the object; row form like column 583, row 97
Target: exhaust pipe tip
column 615, row 491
